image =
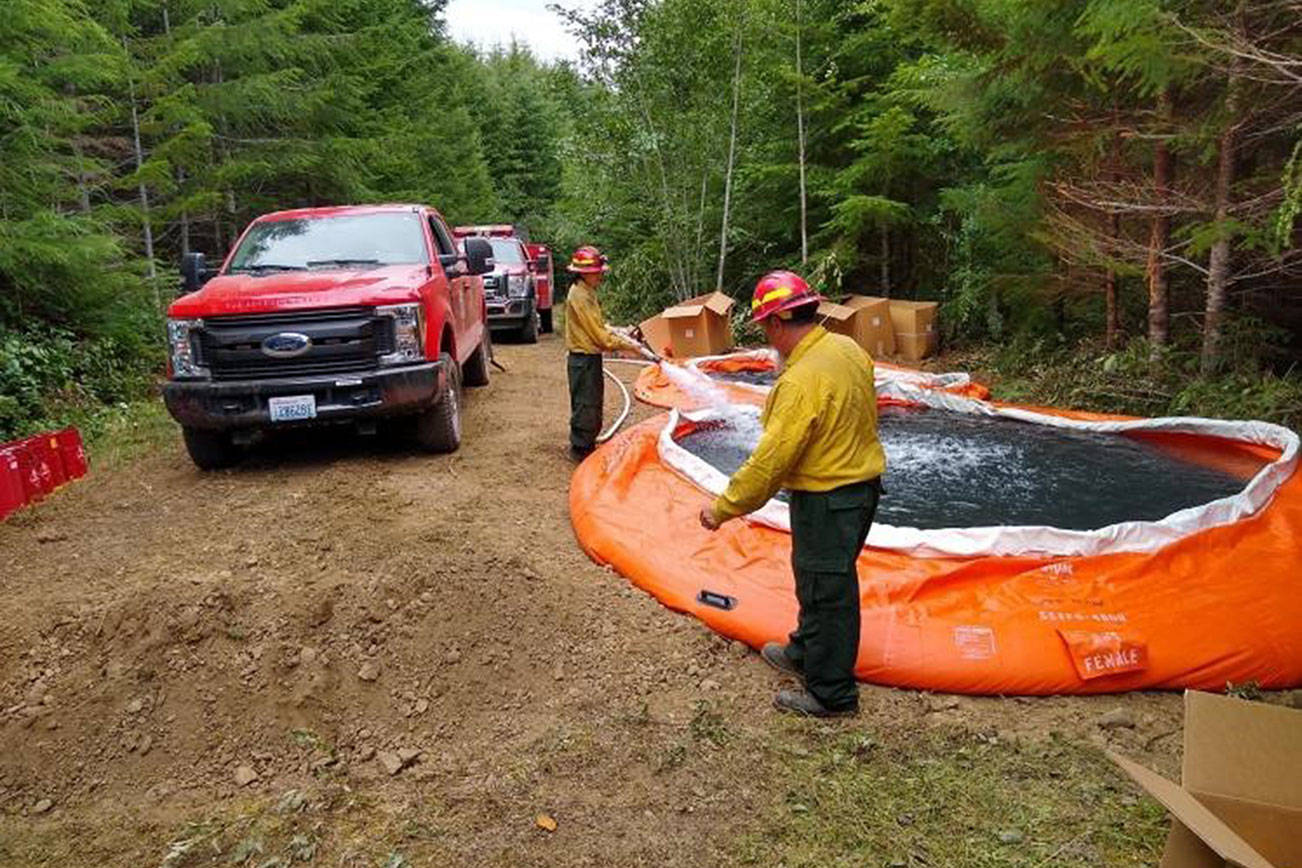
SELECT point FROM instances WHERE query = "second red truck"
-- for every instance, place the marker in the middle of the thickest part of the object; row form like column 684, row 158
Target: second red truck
column 519, row 289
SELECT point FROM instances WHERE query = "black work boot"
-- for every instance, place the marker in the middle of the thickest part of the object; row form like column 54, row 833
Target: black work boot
column 800, row 702
column 775, row 655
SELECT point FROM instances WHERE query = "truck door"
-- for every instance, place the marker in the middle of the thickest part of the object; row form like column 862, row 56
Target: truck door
column 462, row 298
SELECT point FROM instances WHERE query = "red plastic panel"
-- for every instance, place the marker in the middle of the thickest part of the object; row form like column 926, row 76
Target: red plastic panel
column 49, row 463
column 72, row 452
column 13, row 494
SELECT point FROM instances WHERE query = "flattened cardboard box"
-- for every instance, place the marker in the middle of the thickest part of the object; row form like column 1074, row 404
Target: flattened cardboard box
column 700, row 326
column 865, row 319
column 1240, row 797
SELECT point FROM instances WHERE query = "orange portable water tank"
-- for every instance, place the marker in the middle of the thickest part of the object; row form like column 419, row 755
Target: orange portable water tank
column 1206, row 595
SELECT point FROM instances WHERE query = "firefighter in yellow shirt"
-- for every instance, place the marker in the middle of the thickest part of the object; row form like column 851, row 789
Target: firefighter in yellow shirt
column 586, row 337
column 820, row 442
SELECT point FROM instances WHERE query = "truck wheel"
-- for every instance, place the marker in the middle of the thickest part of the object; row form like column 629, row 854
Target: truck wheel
column 546, row 321
column 529, row 329
column 475, row 371
column 210, row 450
column 438, row 429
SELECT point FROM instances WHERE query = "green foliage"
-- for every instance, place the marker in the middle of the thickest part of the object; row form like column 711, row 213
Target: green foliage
column 50, row 378
column 995, row 155
column 1135, row 380
column 520, row 126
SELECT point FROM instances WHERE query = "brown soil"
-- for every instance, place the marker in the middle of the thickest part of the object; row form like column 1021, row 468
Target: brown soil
column 167, row 635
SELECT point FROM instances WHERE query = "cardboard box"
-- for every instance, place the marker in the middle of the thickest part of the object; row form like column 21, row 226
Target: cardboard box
column 700, row 326
column 656, row 332
column 865, row 319
column 1240, row 797
column 913, row 317
column 915, row 348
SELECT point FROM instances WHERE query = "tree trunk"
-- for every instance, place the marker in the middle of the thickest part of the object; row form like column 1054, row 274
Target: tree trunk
column 148, row 227
column 800, row 129
column 1159, row 307
column 698, row 251
column 1218, row 260
column 185, row 215
column 232, row 225
column 83, row 187
column 83, row 182
column 677, row 270
column 1112, row 327
column 732, row 160
column 885, row 267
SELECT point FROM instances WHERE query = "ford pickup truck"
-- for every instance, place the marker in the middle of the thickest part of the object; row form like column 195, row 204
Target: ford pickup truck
column 329, row 315
column 519, row 291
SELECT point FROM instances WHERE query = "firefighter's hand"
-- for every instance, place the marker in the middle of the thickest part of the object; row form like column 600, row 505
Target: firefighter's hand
column 707, row 519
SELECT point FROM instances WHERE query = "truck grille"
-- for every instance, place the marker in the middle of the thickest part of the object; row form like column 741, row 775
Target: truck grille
column 343, row 340
column 494, row 286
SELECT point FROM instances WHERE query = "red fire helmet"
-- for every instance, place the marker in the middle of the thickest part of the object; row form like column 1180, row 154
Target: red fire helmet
column 588, row 260
column 780, row 291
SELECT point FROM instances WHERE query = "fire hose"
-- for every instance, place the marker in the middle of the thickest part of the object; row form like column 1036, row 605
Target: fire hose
column 651, row 359
column 628, row 405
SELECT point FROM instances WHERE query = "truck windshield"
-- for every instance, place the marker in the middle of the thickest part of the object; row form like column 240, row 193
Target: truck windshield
column 506, row 252
column 318, row 242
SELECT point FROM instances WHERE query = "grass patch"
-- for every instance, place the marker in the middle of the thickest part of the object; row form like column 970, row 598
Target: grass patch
column 123, row 432
column 952, row 797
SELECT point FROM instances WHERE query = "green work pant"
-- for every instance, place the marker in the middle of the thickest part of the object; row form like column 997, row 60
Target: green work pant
column 828, row 528
column 586, row 398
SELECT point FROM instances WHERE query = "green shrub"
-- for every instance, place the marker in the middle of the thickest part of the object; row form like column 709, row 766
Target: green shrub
column 1135, row 380
column 49, row 377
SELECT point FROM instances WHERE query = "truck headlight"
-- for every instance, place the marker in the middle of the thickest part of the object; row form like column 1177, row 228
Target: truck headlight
column 408, row 333
column 180, row 345
column 517, row 285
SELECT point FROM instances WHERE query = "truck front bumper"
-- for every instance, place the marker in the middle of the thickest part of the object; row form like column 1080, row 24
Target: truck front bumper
column 509, row 312
column 224, row 405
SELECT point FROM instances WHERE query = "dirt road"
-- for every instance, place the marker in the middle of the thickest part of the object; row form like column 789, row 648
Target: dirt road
column 345, row 652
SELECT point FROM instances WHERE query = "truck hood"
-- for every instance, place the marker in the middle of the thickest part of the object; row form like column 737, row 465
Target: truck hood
column 291, row 290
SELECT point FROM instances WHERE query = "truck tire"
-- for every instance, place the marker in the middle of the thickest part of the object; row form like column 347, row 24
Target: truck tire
column 529, row 329
column 210, row 450
column 475, row 370
column 438, row 429
column 546, row 321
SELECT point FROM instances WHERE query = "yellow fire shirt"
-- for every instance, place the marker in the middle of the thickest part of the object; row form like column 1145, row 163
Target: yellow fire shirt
column 585, row 327
column 820, row 427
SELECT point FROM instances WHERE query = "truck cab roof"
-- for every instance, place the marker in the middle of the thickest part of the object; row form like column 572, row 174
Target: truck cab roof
column 341, row 211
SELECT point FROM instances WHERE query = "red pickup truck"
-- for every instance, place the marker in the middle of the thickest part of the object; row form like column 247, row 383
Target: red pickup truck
column 328, row 315
column 544, row 280
column 519, row 291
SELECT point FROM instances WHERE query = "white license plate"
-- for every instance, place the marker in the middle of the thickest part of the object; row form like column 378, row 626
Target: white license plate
column 294, row 408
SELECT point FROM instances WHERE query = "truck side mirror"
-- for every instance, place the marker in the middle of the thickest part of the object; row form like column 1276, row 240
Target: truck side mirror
column 194, row 272
column 479, row 256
